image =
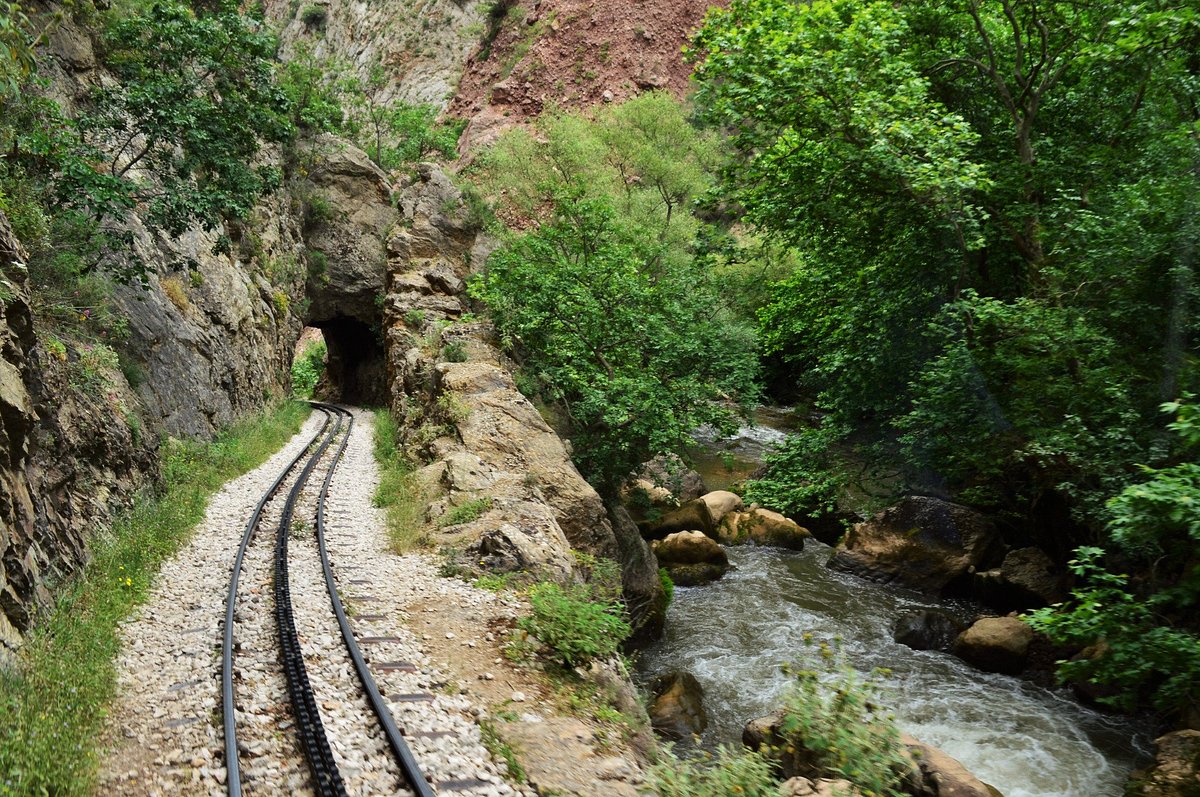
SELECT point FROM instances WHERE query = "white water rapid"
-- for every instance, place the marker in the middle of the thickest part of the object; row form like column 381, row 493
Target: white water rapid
column 734, row 634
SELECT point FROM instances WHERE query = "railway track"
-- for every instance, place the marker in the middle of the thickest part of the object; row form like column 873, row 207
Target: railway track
column 324, row 449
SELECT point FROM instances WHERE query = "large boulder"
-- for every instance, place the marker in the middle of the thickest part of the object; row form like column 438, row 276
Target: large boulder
column 677, row 710
column 927, row 629
column 762, row 527
column 1026, row 579
column 995, row 644
column 691, row 558
column 691, row 516
column 920, row 542
column 940, row 775
column 1176, row 768
column 721, row 502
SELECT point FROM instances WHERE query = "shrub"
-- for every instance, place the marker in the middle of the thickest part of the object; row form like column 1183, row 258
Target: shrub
column 314, row 16
column 455, row 352
column 730, row 772
column 307, row 370
column 668, row 586
column 835, row 722
column 174, row 289
column 576, row 628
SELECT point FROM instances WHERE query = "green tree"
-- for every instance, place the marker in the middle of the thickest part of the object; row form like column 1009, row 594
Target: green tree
column 987, row 201
column 626, row 344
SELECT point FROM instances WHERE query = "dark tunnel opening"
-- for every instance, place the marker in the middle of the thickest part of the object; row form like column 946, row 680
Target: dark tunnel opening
column 355, row 370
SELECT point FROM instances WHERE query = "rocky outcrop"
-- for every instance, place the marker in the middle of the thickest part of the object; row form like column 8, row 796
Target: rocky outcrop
column 1175, row 771
column 761, row 527
column 421, row 47
column 923, row 543
column 671, row 473
column 995, row 644
column 940, row 775
column 677, row 706
column 462, row 412
column 821, row 787
column 691, row 558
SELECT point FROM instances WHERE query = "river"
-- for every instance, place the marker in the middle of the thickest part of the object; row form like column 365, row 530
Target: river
column 735, row 634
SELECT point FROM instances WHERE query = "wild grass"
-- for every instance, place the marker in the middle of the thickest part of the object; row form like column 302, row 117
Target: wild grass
column 398, row 493
column 54, row 700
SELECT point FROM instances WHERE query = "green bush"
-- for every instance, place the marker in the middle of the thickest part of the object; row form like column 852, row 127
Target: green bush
column 569, row 622
column 730, row 772
column 668, row 585
column 307, row 370
column 835, row 722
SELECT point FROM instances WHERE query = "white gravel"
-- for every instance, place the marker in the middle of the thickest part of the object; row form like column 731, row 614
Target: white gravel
column 165, row 728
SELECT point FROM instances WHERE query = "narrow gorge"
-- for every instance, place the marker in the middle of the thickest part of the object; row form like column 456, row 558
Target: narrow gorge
column 537, row 397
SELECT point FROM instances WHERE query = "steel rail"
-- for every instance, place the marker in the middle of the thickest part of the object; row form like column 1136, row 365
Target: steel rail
column 404, row 757
column 327, row 780
column 233, row 774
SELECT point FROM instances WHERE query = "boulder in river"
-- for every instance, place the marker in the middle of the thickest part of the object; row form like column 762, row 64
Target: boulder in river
column 941, row 775
column 995, row 644
column 677, row 710
column 721, row 503
column 691, row 558
column 921, row 542
column 692, row 516
column 927, row 629
column 1027, row 579
column 1176, row 768
column 762, row 527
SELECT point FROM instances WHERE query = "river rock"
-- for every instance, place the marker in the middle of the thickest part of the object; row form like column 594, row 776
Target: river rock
column 941, row 775
column 821, row 787
column 641, row 494
column 1027, row 579
column 691, row 558
column 677, row 710
column 670, row 472
column 928, row 629
column 920, row 542
column 721, row 503
column 1176, row 768
column 792, row 761
column 762, row 527
column 995, row 644
column 692, row 516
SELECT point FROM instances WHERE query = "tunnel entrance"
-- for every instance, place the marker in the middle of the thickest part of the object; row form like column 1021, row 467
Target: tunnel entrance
column 355, row 370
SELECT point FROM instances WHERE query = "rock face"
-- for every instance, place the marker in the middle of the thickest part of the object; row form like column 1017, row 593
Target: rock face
column 72, row 455
column 423, row 48
column 923, row 543
column 677, row 710
column 761, row 527
column 1176, row 768
column 995, row 644
column 691, row 558
column 927, row 630
column 461, row 410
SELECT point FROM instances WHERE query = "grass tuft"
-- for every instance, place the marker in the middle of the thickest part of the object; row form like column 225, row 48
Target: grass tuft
column 54, row 700
column 398, row 492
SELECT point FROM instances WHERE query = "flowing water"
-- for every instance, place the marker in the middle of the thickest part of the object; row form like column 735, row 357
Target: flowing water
column 734, row 634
